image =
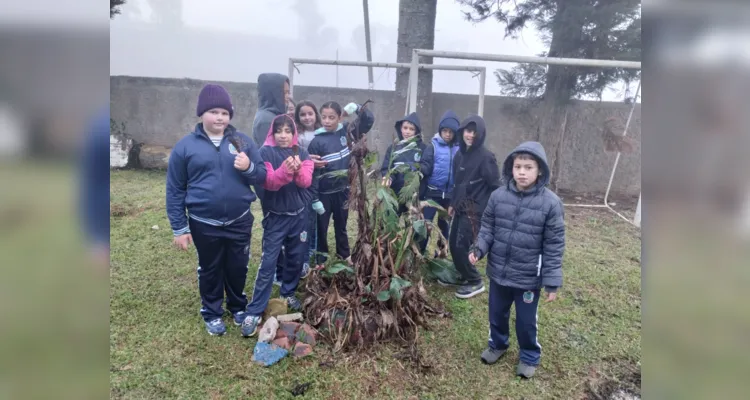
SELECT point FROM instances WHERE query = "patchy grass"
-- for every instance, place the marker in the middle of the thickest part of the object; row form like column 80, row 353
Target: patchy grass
column 159, row 348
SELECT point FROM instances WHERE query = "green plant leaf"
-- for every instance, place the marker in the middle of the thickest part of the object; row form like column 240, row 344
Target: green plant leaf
column 408, row 147
column 420, row 229
column 335, row 268
column 411, row 186
column 368, row 288
column 370, row 159
column 387, row 198
column 343, row 173
column 398, row 284
column 384, row 295
column 443, row 269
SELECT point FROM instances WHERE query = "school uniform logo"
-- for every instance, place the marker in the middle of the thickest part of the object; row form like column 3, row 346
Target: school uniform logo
column 417, row 157
column 232, row 149
column 343, row 140
column 528, row 297
column 303, row 236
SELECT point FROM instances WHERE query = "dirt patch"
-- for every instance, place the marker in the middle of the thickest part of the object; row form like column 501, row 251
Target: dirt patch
column 619, row 380
column 120, row 210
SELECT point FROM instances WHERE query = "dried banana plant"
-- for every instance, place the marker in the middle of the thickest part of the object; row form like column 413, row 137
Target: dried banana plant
column 380, row 297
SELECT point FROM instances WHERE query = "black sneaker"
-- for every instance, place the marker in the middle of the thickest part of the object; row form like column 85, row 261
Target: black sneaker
column 469, row 291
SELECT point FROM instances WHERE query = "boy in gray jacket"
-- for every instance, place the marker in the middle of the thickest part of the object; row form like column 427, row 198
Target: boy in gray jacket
column 523, row 234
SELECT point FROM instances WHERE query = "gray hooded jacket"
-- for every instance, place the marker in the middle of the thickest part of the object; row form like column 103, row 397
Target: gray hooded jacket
column 270, row 104
column 523, row 231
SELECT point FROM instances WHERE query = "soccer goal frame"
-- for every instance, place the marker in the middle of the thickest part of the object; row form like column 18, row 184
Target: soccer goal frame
column 475, row 69
column 579, row 62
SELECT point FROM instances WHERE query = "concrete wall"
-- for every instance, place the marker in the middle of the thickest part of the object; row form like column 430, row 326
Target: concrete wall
column 158, row 112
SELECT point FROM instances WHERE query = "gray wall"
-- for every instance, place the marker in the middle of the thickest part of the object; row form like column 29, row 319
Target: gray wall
column 159, row 111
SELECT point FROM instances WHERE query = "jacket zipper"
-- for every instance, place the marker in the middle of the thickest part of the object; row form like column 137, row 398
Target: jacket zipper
column 450, row 169
column 510, row 237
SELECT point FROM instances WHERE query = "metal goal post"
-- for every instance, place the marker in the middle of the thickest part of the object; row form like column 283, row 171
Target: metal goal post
column 580, row 62
column 481, row 70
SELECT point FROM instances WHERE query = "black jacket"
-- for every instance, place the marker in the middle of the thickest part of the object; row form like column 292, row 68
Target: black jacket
column 523, row 233
column 410, row 157
column 475, row 171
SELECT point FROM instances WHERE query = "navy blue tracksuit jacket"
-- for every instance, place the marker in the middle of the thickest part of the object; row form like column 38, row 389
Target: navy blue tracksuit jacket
column 333, row 192
column 202, row 180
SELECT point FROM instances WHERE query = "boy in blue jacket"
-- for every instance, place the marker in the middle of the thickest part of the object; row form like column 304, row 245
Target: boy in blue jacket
column 523, row 234
column 209, row 176
column 437, row 169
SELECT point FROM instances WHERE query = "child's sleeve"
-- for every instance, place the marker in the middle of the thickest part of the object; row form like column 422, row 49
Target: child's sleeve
column 276, row 178
column 426, row 164
column 256, row 173
column 303, row 177
column 177, row 190
column 316, row 172
column 487, row 231
column 386, row 161
column 553, row 247
column 491, row 173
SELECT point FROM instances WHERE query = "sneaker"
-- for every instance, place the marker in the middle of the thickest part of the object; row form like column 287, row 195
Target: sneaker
column 448, row 284
column 250, row 325
column 216, row 327
column 469, row 291
column 490, row 355
column 525, row 370
column 293, row 303
column 239, row 317
column 305, row 270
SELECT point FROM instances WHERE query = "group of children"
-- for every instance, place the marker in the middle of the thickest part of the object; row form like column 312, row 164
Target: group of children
column 509, row 216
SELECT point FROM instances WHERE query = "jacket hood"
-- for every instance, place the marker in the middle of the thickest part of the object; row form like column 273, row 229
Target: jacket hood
column 414, row 119
column 481, row 132
column 439, row 141
column 449, row 120
column 535, row 149
column 270, row 141
column 271, row 92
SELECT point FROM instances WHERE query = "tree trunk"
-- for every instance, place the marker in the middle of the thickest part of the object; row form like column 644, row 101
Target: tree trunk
column 560, row 83
column 416, row 30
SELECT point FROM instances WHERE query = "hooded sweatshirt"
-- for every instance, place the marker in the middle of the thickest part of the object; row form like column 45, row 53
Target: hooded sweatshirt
column 523, row 231
column 411, row 157
column 437, row 161
column 285, row 192
column 270, row 104
column 475, row 171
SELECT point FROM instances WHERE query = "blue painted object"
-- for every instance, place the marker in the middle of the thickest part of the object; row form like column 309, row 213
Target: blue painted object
column 268, row 354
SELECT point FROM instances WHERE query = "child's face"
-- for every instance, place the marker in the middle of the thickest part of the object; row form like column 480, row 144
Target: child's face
column 469, row 136
column 283, row 136
column 329, row 119
column 408, row 130
column 215, row 121
column 287, row 93
column 446, row 134
column 525, row 172
column 307, row 117
column 290, row 108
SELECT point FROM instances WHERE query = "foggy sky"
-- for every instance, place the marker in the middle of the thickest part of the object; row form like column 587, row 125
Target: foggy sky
column 235, row 40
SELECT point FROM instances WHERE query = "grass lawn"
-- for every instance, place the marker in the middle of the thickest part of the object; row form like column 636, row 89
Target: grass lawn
column 591, row 337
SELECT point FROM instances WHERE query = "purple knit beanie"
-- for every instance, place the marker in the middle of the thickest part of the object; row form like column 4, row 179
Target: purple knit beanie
column 214, row 96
